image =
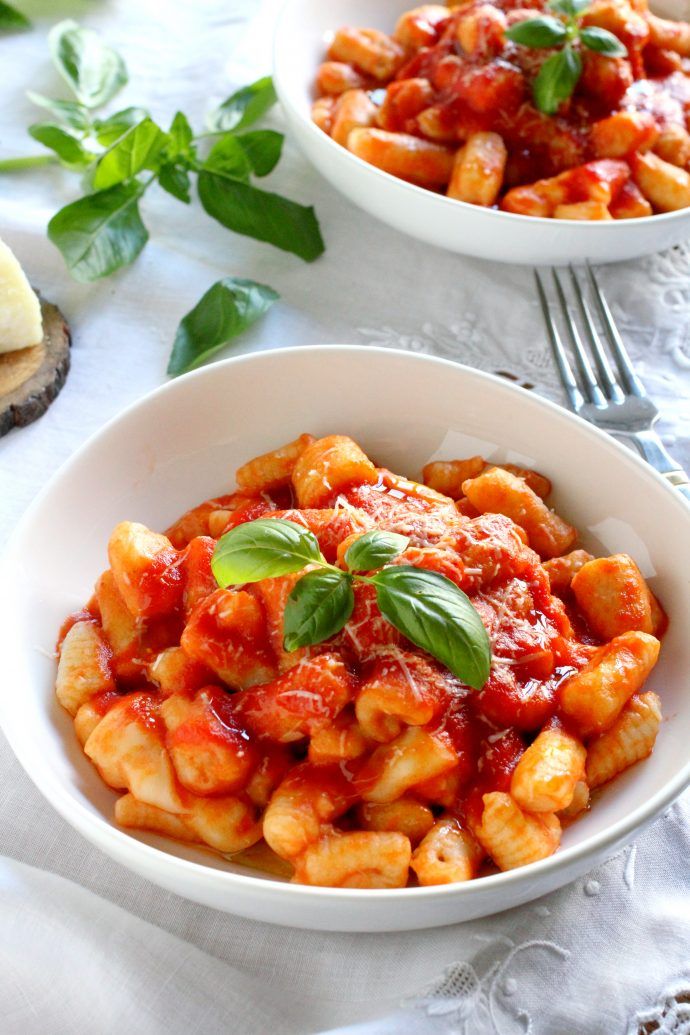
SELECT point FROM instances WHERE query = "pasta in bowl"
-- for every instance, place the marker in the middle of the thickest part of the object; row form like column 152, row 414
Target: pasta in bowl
column 449, row 121
column 246, row 684
column 183, row 444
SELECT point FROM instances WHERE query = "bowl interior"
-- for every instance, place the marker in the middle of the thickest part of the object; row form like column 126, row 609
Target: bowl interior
column 183, row 443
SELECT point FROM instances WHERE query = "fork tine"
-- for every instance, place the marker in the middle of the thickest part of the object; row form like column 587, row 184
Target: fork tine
column 564, row 369
column 625, row 368
column 585, row 367
column 612, row 388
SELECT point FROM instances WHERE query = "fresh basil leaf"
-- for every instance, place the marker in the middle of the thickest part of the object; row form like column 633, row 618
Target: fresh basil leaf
column 543, row 31
column 244, row 107
column 94, row 71
column 263, row 549
column 69, row 150
column 138, row 149
column 318, row 607
column 109, row 130
column 227, row 309
column 180, row 136
column 556, row 80
column 602, row 41
column 435, row 615
column 259, row 214
column 228, row 158
column 11, row 19
column 263, row 148
column 72, row 113
column 571, row 8
column 374, row 549
column 175, row 180
column 101, row 232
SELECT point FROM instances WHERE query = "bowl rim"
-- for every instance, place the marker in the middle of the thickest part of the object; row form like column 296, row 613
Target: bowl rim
column 439, row 200
column 123, row 846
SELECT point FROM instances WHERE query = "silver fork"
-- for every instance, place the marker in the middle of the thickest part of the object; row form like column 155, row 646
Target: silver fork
column 612, row 399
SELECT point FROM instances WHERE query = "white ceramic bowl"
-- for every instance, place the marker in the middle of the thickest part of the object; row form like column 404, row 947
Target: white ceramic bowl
column 181, row 445
column 301, row 37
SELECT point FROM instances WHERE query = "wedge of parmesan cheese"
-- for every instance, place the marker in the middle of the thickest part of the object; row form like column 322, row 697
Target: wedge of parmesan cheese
column 21, row 324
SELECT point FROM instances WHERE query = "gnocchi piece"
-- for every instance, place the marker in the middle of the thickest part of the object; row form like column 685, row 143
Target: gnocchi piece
column 420, row 27
column 173, row 672
column 144, row 564
column 547, row 774
column 272, row 470
column 128, row 750
column 404, row 101
column 210, row 750
column 406, row 816
column 433, row 124
column 562, row 569
column 354, row 109
column 673, row 145
column 630, row 739
column 227, row 633
column 590, row 210
column 513, row 837
column 301, row 702
column 664, row 185
column 195, row 565
column 197, row 520
column 448, row 854
column 580, row 802
column 479, row 168
column 322, row 113
column 630, row 203
column 120, row 628
column 501, row 492
column 330, row 466
column 623, row 132
column 361, row 859
column 447, row 476
column 480, row 30
column 411, row 158
column 84, row 669
column 669, row 35
column 338, row 741
column 402, row 689
column 597, row 181
column 308, row 800
column 593, row 698
column 394, row 768
column 370, row 50
column 91, row 712
column 613, row 596
column 227, row 825
column 335, row 77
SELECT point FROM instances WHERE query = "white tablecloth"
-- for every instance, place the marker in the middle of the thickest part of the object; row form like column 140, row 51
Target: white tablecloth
column 84, row 944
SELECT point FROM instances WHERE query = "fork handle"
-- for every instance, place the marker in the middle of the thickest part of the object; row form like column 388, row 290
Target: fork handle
column 654, row 452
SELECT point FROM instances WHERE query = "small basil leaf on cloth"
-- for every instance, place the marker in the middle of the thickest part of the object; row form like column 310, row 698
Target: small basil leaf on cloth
column 262, row 215
column 602, row 41
column 244, row 107
column 228, row 158
column 227, row 309
column 263, row 148
column 374, row 549
column 101, row 232
column 543, row 31
column 435, row 615
column 69, row 150
column 556, row 80
column 109, row 130
column 175, row 180
column 11, row 19
column 94, row 71
column 72, row 113
column 263, row 549
column 138, row 149
column 318, row 607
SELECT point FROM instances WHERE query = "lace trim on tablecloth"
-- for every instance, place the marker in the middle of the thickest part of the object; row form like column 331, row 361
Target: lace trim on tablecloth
column 669, row 1016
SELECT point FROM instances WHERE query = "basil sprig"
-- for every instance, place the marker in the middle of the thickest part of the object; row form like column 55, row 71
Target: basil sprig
column 11, row 19
column 423, row 605
column 560, row 73
column 120, row 155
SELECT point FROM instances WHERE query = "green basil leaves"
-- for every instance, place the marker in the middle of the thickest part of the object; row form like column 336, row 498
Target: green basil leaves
column 423, row 605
